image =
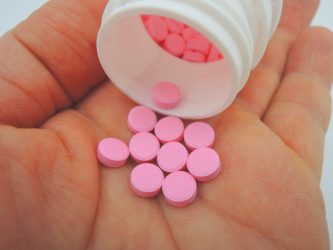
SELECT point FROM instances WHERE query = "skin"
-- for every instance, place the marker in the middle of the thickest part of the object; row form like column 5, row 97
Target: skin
column 56, row 104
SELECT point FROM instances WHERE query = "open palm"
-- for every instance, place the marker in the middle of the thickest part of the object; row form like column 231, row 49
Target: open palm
column 56, row 104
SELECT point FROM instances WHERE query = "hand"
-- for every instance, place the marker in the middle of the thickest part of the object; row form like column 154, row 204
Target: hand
column 56, row 104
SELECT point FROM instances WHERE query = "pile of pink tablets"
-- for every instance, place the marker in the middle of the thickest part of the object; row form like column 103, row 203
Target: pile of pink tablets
column 169, row 157
column 180, row 40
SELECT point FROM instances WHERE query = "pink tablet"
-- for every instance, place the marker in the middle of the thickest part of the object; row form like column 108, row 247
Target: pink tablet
column 141, row 119
column 198, row 44
column 214, row 54
column 112, row 152
column 172, row 157
column 174, row 26
column 194, row 56
column 166, row 95
column 174, row 44
column 144, row 147
column 169, row 129
column 204, row 164
column 199, row 135
column 157, row 28
column 146, row 180
column 179, row 189
column 189, row 33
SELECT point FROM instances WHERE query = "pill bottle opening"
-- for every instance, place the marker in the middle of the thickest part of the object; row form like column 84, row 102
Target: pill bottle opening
column 180, row 40
column 134, row 61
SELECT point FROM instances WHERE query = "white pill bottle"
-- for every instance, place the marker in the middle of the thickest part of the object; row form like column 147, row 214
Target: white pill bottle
column 240, row 29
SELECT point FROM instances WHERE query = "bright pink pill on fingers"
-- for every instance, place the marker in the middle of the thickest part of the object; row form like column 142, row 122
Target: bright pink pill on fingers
column 193, row 56
column 112, row 152
column 144, row 147
column 157, row 28
column 199, row 135
column 172, row 157
column 174, row 44
column 169, row 129
column 141, row 119
column 166, row 95
column 146, row 180
column 179, row 189
column 204, row 164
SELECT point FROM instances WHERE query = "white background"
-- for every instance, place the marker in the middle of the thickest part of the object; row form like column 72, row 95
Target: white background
column 13, row 11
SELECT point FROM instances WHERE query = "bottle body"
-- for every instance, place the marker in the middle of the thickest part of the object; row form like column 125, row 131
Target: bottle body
column 240, row 29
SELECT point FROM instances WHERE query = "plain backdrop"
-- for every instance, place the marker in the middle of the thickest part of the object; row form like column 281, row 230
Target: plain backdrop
column 14, row 11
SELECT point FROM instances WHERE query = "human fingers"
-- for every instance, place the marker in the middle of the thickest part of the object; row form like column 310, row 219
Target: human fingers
column 49, row 61
column 300, row 110
column 266, row 78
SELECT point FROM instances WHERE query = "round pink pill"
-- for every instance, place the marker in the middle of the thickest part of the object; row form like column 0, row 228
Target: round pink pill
column 189, row 33
column 141, row 119
column 214, row 54
column 146, row 180
column 174, row 26
column 157, row 28
column 174, row 44
column 169, row 129
column 199, row 135
column 112, row 152
column 179, row 188
column 193, row 56
column 199, row 44
column 144, row 147
column 166, row 95
column 204, row 164
column 172, row 157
